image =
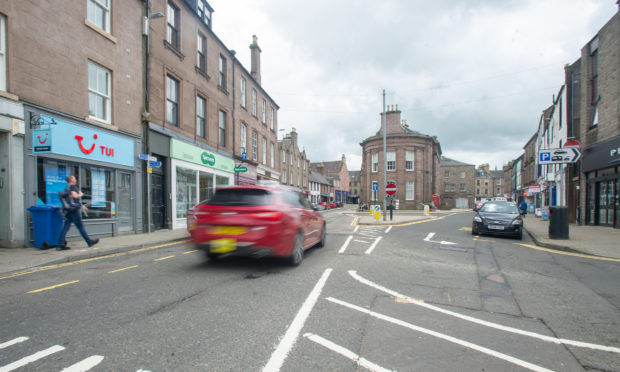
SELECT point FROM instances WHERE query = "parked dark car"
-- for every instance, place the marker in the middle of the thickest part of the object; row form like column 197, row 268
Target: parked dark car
column 498, row 218
column 256, row 221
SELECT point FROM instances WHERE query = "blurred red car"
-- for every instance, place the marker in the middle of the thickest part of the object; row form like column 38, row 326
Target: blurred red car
column 332, row 204
column 256, row 221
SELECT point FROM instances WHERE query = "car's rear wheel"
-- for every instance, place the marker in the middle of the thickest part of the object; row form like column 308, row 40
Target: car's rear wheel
column 321, row 243
column 213, row 256
column 297, row 254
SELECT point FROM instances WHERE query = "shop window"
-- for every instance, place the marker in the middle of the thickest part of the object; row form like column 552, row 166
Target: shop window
column 96, row 183
column 186, row 191
column 206, row 187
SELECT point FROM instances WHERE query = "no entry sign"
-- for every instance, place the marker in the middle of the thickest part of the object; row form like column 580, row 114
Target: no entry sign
column 390, row 188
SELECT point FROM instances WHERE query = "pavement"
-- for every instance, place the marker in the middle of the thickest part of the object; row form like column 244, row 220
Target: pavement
column 588, row 240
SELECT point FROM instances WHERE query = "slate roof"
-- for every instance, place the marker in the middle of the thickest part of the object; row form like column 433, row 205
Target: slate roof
column 447, row 162
column 355, row 176
column 318, row 178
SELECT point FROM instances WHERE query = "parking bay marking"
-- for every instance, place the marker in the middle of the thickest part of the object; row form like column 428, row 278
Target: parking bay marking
column 501, row 327
column 362, row 362
column 31, row 358
column 430, row 236
column 443, row 336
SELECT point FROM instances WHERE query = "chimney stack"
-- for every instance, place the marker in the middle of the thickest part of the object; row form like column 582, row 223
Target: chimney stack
column 255, row 50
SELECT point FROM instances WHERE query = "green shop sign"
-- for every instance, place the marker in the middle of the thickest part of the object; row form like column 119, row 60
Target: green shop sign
column 193, row 154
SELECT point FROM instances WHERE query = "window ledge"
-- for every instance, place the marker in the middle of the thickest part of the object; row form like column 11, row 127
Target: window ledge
column 174, row 50
column 202, row 73
column 101, row 123
column 101, row 32
column 9, row 95
column 222, row 89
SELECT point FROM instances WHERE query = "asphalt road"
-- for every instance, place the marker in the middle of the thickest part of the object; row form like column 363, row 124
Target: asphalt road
column 427, row 296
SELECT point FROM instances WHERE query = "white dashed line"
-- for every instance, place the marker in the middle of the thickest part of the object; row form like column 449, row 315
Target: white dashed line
column 388, row 229
column 372, row 247
column 346, row 243
column 13, row 342
column 84, row 365
column 31, row 358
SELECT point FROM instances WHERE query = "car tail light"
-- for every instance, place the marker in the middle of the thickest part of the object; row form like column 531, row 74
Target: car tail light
column 269, row 216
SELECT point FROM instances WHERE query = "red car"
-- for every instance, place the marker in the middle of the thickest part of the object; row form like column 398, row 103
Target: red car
column 325, row 205
column 256, row 221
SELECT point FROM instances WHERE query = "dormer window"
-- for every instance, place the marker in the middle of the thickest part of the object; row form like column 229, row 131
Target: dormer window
column 204, row 12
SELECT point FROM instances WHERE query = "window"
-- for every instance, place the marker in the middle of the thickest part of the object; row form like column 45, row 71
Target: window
column 201, row 105
column 272, row 154
column 222, row 126
column 264, row 150
column 242, row 88
column 446, row 187
column 271, row 118
column 99, row 92
column 283, row 177
column 478, row 182
column 290, row 158
column 204, row 12
column 2, row 52
column 409, row 190
column 243, row 137
column 222, row 72
column 172, row 100
column 264, row 112
column 98, row 13
column 463, row 188
column 298, row 162
column 253, row 101
column 201, row 53
column 375, row 163
column 283, row 156
column 254, row 145
column 446, row 174
column 462, row 175
column 391, row 160
column 409, row 160
column 172, row 31
column 375, row 187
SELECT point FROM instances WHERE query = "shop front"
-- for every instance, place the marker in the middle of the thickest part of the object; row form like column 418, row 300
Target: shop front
column 102, row 161
column 601, row 166
column 195, row 174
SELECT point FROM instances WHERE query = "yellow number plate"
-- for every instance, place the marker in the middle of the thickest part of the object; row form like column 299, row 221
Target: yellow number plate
column 228, row 230
column 223, row 245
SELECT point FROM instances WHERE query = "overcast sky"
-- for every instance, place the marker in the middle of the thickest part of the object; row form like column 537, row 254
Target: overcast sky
column 475, row 73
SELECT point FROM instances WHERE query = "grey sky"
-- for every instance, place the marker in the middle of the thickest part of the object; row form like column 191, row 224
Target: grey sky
column 476, row 74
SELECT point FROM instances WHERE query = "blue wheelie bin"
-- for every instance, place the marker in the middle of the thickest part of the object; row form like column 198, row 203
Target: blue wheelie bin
column 46, row 225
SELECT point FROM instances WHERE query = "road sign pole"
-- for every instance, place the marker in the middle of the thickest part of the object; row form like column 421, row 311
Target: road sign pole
column 384, row 119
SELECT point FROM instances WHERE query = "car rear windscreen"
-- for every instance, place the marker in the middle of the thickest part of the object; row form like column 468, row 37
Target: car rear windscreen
column 239, row 197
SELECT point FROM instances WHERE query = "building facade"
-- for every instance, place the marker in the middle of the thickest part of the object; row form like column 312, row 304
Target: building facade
column 337, row 174
column 456, row 184
column 411, row 161
column 294, row 165
column 355, row 186
column 321, row 190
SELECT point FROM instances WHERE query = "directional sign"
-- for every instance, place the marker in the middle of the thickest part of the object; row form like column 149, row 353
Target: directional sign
column 147, row 157
column 244, row 156
column 559, row 156
column 155, row 164
column 375, row 186
column 390, row 189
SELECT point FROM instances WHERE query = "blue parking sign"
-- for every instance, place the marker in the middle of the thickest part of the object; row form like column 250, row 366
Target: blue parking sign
column 545, row 156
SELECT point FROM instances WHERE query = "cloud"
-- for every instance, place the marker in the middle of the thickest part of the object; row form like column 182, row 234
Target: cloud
column 476, row 74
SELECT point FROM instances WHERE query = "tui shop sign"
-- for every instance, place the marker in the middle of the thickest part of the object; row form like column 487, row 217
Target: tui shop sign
column 193, row 154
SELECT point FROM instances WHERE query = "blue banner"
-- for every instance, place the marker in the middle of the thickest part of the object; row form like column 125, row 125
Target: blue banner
column 75, row 140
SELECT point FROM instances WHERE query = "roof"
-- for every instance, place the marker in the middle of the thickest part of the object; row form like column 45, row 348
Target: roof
column 447, row 162
column 318, row 178
column 327, row 166
column 355, row 176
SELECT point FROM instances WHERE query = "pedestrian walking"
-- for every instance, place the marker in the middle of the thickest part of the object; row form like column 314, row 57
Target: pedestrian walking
column 523, row 208
column 73, row 214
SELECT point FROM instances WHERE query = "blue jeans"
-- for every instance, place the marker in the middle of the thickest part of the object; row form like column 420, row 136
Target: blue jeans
column 75, row 218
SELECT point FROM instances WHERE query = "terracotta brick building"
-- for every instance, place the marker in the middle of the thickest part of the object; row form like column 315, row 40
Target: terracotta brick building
column 337, row 173
column 412, row 163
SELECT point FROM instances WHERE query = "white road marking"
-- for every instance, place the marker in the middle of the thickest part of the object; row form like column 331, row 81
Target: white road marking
column 484, row 322
column 372, row 247
column 360, row 241
column 430, row 236
column 31, row 358
column 290, row 337
column 13, row 342
column 346, row 243
column 442, row 336
column 362, row 362
column 388, row 229
column 356, row 228
column 84, row 365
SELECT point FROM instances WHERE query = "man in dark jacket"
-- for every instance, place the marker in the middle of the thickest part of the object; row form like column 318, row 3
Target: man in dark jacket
column 73, row 214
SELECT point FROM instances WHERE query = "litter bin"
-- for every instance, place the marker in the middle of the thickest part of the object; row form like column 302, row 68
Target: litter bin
column 558, row 222
column 46, row 225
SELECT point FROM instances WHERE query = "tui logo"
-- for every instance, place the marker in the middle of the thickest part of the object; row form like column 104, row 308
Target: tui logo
column 82, row 148
column 44, row 140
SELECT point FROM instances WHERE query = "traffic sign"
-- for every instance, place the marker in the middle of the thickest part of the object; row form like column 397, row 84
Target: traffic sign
column 375, row 186
column 559, row 156
column 240, row 169
column 147, row 157
column 244, row 156
column 155, row 164
column 390, row 188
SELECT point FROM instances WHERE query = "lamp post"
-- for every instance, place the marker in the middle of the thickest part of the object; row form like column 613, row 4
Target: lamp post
column 146, row 26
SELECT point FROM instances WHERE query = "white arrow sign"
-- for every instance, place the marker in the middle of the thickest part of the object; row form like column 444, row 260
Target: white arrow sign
column 559, row 156
column 430, row 236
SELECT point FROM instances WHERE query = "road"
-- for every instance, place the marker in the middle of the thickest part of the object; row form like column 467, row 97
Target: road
column 426, row 296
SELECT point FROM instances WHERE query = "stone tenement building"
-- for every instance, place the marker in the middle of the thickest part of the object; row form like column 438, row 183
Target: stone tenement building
column 457, row 184
column 412, row 163
column 337, row 173
column 295, row 166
